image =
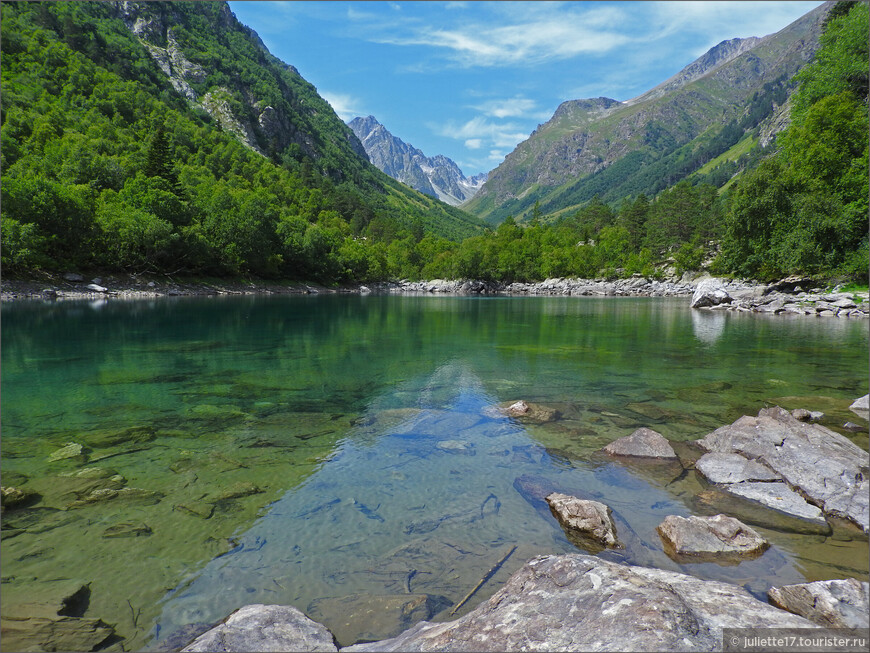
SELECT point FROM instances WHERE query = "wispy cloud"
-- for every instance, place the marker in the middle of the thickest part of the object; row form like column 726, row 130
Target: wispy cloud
column 541, row 34
column 515, row 107
column 345, row 105
column 481, row 131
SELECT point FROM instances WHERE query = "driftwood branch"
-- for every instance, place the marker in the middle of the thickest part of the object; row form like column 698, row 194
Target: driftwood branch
column 485, row 578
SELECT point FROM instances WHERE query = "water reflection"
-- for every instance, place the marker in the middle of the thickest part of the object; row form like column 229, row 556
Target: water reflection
column 708, row 325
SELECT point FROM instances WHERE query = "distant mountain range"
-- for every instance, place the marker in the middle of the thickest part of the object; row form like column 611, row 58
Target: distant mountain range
column 719, row 107
column 437, row 176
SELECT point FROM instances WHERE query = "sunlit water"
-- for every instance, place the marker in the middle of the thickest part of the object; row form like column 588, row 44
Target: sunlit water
column 310, row 449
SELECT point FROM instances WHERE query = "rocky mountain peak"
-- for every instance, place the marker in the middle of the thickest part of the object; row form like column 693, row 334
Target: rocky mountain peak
column 437, row 176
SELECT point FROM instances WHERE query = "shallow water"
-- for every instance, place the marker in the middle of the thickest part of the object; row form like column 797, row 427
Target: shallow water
column 307, row 449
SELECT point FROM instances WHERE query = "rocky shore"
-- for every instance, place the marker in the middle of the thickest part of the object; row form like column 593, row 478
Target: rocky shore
column 580, row 602
column 790, row 296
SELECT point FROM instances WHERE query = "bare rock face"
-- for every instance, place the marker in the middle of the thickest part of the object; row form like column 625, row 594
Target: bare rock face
column 260, row 627
column 643, row 443
column 590, row 522
column 710, row 292
column 828, row 603
column 583, row 603
column 861, row 406
column 825, row 467
column 688, row 539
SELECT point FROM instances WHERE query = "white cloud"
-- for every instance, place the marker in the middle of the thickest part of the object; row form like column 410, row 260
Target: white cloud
column 486, row 131
column 474, row 143
column 516, row 107
column 345, row 105
column 528, row 35
column 456, row 5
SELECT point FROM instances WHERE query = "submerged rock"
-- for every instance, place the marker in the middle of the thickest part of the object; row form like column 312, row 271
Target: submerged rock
column 13, row 497
column 260, row 627
column 125, row 494
column 525, row 411
column 778, row 496
column 828, row 603
column 694, row 538
column 582, row 603
column 366, row 617
column 112, row 437
column 827, row 468
column 69, row 451
column 589, row 524
column 127, row 529
column 456, row 447
column 643, row 443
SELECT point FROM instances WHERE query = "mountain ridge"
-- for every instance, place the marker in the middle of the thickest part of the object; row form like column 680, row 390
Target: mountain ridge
column 438, row 176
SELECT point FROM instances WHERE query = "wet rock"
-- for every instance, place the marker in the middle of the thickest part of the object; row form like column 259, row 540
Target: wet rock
column 583, row 603
column 527, row 412
column 456, row 447
column 127, row 529
column 805, row 415
column 201, row 509
column 777, row 496
column 113, row 437
column 854, row 428
column 13, row 497
column 367, row 617
column 94, row 287
column 694, row 538
column 588, row 522
column 861, row 406
column 260, row 627
column 710, row 292
column 828, row 603
column 69, row 451
column 732, row 468
column 133, row 495
column 825, row 467
column 644, row 443
column 46, row 616
column 754, row 513
column 237, row 491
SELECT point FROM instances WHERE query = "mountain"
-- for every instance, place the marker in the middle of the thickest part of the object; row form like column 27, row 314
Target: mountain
column 164, row 136
column 717, row 106
column 437, row 176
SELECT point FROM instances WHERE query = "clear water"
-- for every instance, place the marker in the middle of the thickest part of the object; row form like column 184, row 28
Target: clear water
column 307, row 449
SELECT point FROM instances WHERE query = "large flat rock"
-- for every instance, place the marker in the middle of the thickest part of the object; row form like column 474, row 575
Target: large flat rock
column 825, row 467
column 260, row 627
column 778, row 496
column 829, row 603
column 732, row 468
column 709, row 539
column 643, row 443
column 582, row 603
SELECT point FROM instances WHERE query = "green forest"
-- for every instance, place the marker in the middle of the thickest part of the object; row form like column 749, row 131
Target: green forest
column 105, row 166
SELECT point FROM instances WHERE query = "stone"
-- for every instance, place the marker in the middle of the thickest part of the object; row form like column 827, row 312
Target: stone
column 582, row 603
column 113, row 437
column 456, row 447
column 13, row 497
column 237, row 491
column 854, row 428
column 127, row 529
column 366, row 617
column 259, row 627
column 828, row 603
column 71, row 450
column 95, row 287
column 710, row 292
column 527, row 412
column 778, row 496
column 125, row 494
column 643, row 443
column 200, row 509
column 588, row 524
column 861, row 406
column 827, row 468
column 732, row 468
column 754, row 513
column 706, row 539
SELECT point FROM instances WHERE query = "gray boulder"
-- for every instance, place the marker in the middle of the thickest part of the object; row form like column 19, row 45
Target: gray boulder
column 710, row 292
column 643, row 443
column 828, row 603
column 861, row 406
column 260, row 627
column 583, row 603
column 778, row 496
column 825, row 467
column 590, row 522
column 732, row 468
column 694, row 538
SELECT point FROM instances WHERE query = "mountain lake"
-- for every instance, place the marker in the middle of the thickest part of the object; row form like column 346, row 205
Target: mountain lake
column 332, row 452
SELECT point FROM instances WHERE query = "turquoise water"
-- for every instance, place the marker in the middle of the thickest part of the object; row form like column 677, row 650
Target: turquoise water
column 304, row 450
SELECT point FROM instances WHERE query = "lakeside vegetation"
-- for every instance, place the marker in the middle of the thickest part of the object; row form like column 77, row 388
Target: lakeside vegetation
column 106, row 166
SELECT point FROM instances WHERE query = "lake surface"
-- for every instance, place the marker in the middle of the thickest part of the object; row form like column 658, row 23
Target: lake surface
column 320, row 450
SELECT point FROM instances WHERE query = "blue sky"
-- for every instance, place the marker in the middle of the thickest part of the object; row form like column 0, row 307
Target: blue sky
column 471, row 80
